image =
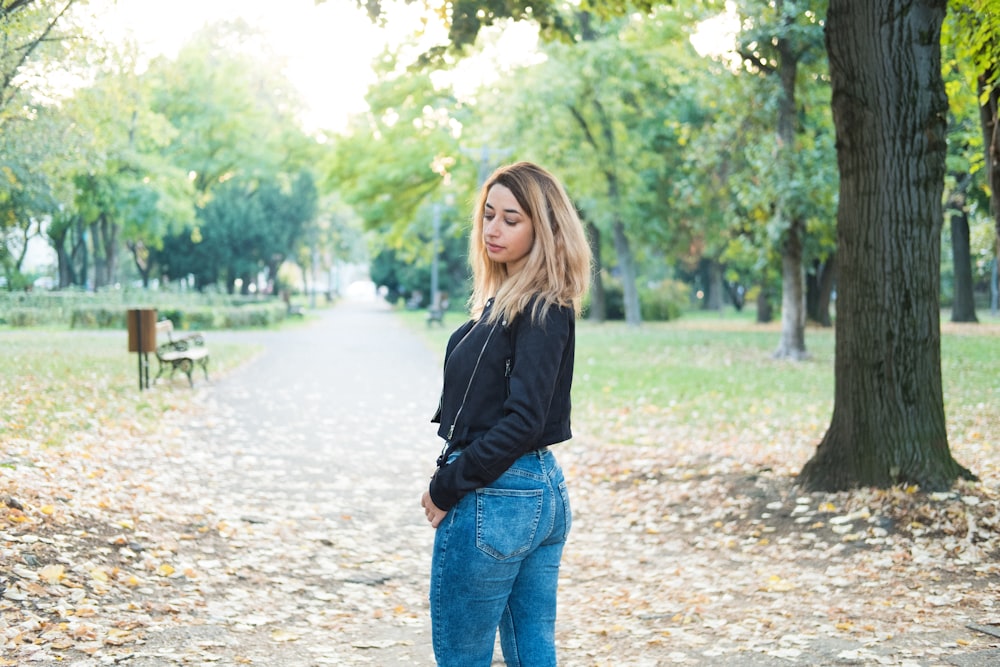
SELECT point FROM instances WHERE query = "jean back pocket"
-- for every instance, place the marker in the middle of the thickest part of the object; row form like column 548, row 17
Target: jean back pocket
column 507, row 520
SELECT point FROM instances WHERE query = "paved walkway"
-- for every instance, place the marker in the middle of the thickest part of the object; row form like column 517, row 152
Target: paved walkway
column 312, row 460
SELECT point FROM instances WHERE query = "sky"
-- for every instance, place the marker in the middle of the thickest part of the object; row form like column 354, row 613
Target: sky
column 329, row 46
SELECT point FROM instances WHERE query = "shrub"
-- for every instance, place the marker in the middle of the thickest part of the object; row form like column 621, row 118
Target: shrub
column 664, row 301
column 106, row 310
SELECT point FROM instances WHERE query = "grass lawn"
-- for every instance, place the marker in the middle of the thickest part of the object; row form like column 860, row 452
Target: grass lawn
column 703, row 381
column 57, row 385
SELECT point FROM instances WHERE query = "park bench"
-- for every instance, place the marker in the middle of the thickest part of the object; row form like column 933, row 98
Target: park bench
column 182, row 352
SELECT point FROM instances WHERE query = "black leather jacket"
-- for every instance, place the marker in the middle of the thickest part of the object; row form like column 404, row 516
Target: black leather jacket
column 518, row 401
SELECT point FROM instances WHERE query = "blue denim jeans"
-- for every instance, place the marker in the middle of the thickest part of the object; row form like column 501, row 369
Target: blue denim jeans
column 496, row 565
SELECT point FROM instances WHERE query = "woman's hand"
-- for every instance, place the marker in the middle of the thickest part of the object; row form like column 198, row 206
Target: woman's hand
column 431, row 511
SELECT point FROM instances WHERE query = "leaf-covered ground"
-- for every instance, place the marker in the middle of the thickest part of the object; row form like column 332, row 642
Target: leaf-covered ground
column 198, row 540
column 677, row 557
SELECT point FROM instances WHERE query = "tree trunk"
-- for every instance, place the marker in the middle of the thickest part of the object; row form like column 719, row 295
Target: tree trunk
column 64, row 260
column 623, row 250
column 765, row 309
column 81, row 252
column 819, row 291
column 110, row 249
column 626, row 264
column 792, row 344
column 713, row 285
column 598, row 302
column 140, row 257
column 99, row 261
column 963, row 303
column 889, row 110
column 793, row 297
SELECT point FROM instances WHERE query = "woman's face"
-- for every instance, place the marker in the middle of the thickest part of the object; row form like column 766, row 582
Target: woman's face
column 508, row 232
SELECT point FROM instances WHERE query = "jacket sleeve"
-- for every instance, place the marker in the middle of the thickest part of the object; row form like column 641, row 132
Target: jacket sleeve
column 539, row 354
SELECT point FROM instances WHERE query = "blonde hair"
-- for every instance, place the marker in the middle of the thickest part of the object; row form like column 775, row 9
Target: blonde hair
column 558, row 266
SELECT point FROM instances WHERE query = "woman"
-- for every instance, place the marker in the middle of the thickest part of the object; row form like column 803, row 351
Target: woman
column 498, row 498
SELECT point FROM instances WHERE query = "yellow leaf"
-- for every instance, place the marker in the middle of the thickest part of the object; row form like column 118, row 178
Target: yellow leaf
column 845, row 626
column 827, row 507
column 165, row 570
column 47, row 510
column 52, row 574
column 99, row 575
column 117, row 637
column 779, row 585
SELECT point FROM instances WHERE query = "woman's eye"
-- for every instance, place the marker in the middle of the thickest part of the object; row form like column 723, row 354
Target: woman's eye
column 488, row 217
column 510, row 222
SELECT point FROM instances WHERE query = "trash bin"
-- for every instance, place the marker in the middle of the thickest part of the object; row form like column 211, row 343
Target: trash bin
column 142, row 339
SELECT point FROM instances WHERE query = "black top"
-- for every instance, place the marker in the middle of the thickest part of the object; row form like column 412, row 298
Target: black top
column 518, row 401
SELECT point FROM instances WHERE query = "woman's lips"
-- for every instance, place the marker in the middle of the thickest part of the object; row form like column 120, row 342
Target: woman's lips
column 493, row 248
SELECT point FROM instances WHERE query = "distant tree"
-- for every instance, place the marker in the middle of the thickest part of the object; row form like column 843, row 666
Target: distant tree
column 393, row 162
column 29, row 187
column 974, row 32
column 33, row 36
column 127, row 194
column 233, row 109
column 781, row 40
column 246, row 228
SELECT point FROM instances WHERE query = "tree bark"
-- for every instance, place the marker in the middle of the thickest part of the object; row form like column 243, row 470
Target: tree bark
column 889, row 110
